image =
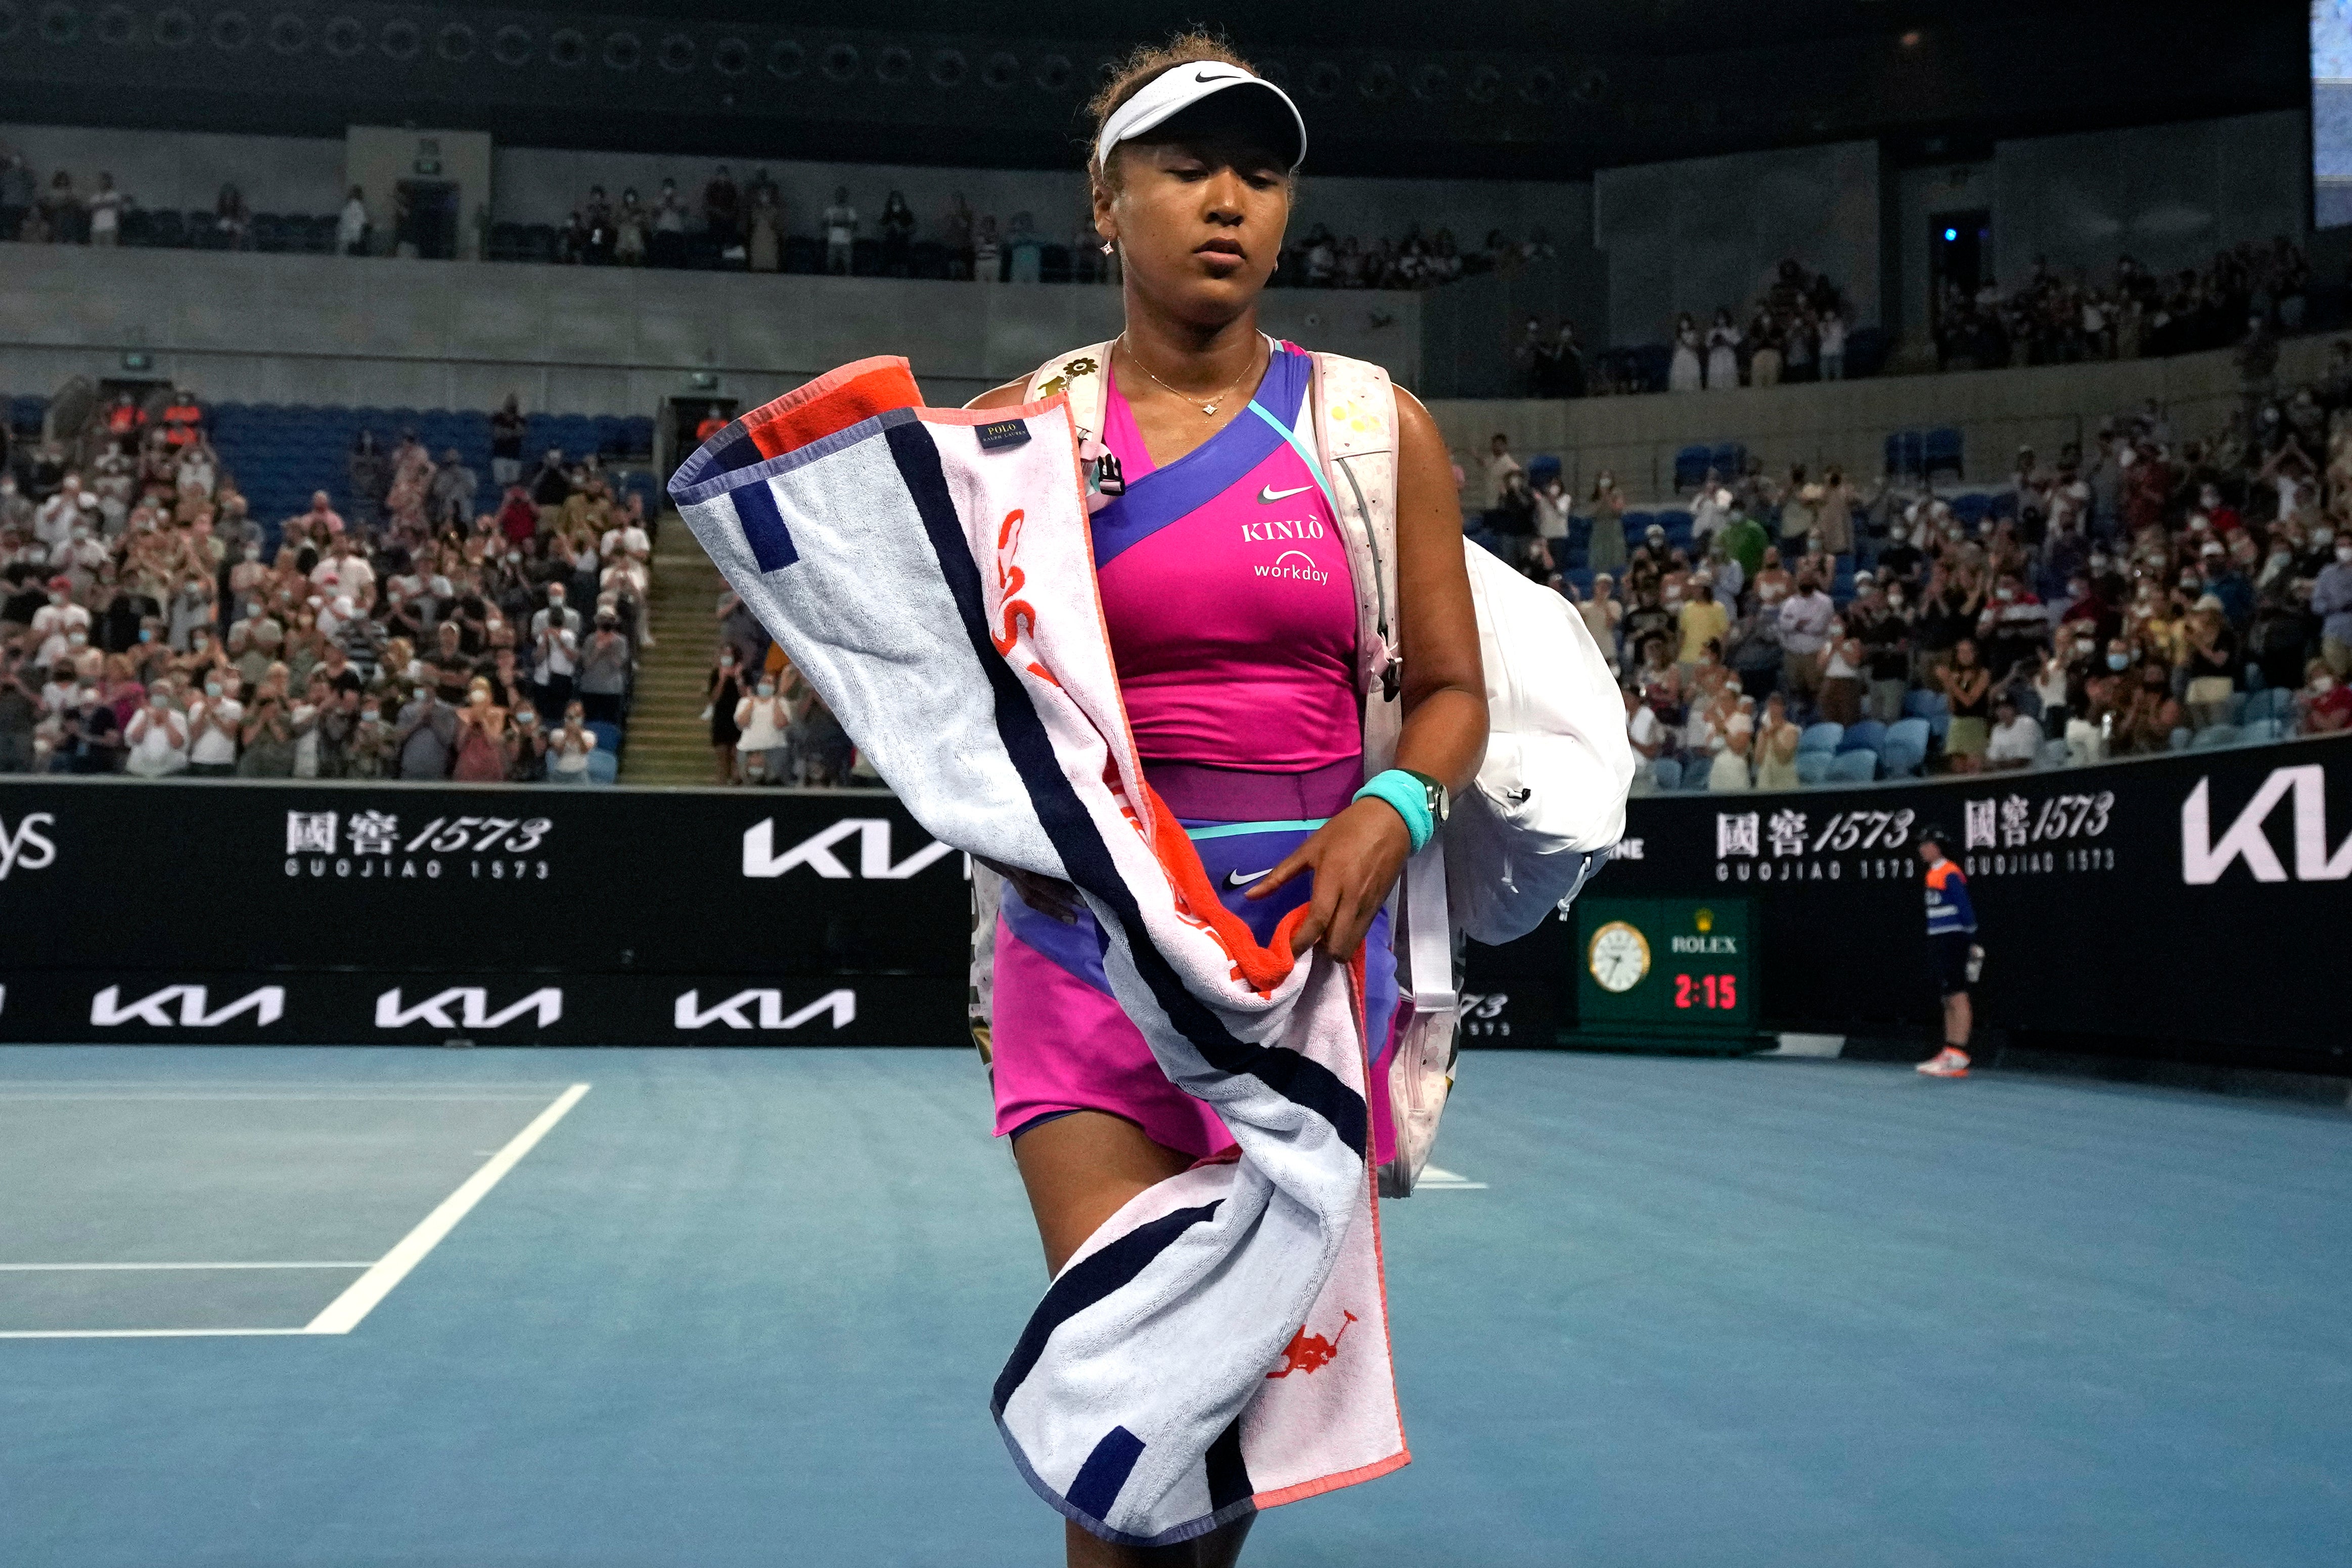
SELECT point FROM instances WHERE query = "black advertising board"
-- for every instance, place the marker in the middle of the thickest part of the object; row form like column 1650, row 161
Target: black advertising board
column 2190, row 902
column 410, row 913
column 2198, row 902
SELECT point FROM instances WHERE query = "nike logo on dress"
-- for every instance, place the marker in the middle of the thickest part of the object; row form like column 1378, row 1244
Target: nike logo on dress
column 1267, row 495
column 1243, row 879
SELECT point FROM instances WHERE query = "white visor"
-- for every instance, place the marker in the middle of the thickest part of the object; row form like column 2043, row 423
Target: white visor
column 1178, row 88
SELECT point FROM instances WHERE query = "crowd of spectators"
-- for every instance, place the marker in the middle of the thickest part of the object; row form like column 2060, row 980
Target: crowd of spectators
column 2132, row 314
column 150, row 625
column 2146, row 595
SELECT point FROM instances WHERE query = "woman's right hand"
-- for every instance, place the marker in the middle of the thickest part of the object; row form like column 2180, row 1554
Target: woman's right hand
column 1047, row 895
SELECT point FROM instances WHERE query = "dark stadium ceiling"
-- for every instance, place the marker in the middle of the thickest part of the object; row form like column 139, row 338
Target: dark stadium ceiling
column 1502, row 88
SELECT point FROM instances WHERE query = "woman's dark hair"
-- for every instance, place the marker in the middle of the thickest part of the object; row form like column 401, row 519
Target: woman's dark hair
column 1148, row 61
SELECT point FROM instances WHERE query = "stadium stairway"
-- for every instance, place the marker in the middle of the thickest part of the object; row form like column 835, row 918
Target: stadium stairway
column 666, row 743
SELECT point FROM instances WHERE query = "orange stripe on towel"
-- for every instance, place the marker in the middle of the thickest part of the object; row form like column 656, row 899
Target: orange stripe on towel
column 834, row 401
column 1261, row 968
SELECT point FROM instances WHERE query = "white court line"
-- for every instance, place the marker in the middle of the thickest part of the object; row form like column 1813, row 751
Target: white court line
column 345, row 1312
column 1437, row 1178
column 142, row 1333
column 109, row 1268
column 7, row 1098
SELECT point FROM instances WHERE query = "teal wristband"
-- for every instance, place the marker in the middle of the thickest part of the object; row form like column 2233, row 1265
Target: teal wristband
column 1410, row 796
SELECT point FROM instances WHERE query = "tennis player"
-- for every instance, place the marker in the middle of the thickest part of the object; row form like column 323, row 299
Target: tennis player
column 1231, row 616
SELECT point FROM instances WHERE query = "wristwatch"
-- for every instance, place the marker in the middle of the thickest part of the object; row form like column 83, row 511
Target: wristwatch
column 1438, row 800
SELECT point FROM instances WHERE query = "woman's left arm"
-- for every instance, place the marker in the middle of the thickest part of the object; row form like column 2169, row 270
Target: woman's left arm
column 1358, row 856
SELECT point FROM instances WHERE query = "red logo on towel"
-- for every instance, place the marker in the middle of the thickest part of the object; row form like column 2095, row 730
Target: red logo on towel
column 1311, row 1353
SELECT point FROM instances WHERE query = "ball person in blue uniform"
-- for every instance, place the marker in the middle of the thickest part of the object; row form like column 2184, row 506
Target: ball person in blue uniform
column 1952, row 951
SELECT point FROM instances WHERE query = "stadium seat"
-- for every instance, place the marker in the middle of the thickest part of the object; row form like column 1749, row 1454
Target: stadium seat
column 2262, row 731
column 1939, row 449
column 1812, row 767
column 604, row 768
column 1903, row 452
column 2054, row 754
column 2214, row 736
column 1698, row 777
column 2274, row 703
column 1852, row 767
column 1667, row 773
column 608, row 737
column 1824, row 737
column 1867, row 735
column 1971, row 508
column 1730, row 457
column 1904, row 751
column 1691, row 464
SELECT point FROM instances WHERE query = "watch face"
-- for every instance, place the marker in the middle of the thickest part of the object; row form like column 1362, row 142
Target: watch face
column 1618, row 956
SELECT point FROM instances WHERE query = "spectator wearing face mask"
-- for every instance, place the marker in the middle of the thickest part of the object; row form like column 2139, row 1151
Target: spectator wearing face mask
column 568, row 748
column 765, row 720
column 2016, row 740
column 555, row 659
column 1805, row 618
column 216, row 724
column 527, row 755
column 604, row 669
column 157, row 738
column 91, row 737
column 2324, row 706
column 426, row 736
column 1966, row 686
column 1842, row 661
column 2331, row 600
column 369, row 752
column 2212, row 664
column 58, row 623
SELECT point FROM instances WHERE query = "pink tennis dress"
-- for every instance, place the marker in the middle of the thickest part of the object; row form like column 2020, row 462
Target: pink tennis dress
column 1231, row 615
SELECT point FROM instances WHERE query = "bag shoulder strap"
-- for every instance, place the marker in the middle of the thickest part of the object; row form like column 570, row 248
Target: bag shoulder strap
column 1078, row 376
column 1354, row 409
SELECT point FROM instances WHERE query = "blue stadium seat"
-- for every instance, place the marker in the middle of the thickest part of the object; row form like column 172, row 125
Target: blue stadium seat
column 1698, row 777
column 2214, row 736
column 2054, row 754
column 1867, row 735
column 1853, row 767
column 1691, row 464
column 1971, row 508
column 2262, row 731
column 1904, row 751
column 1903, row 452
column 604, row 768
column 1667, row 773
column 1939, row 449
column 2237, row 707
column 608, row 737
column 1824, row 737
column 2272, row 702
column 1730, row 459
column 1813, row 767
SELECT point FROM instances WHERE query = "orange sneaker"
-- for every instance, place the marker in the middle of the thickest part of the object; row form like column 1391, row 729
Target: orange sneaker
column 1949, row 1063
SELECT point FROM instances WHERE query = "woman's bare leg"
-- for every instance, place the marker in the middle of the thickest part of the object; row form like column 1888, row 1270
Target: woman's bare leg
column 1081, row 1169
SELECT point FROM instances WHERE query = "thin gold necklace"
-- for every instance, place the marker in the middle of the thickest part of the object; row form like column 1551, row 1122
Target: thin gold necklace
column 1209, row 408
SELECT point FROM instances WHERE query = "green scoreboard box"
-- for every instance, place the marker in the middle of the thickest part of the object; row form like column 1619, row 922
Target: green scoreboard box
column 1666, row 974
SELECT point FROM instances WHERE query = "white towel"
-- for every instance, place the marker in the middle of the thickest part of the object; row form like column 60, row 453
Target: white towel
column 1221, row 1343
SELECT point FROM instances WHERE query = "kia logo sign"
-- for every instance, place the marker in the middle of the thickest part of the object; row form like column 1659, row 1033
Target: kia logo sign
column 2203, row 858
column 108, row 1009
column 767, row 1006
column 816, row 852
column 473, row 1005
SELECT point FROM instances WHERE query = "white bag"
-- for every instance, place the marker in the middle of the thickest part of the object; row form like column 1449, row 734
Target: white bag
column 1550, row 794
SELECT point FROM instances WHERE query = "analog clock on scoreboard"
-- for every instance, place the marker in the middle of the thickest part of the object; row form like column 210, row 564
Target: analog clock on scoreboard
column 1665, row 970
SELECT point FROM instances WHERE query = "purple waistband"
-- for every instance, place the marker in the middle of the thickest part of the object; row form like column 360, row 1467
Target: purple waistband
column 1201, row 793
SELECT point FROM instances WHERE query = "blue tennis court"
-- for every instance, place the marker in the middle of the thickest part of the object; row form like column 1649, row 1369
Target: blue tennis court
column 367, row 1306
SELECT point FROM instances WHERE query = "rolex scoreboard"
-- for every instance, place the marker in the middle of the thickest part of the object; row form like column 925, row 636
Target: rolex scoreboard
column 1664, row 974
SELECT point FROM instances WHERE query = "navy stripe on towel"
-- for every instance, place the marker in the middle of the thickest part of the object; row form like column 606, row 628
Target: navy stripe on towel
column 1085, row 856
column 1229, row 1478
column 1095, row 1486
column 1088, row 1280
column 763, row 525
